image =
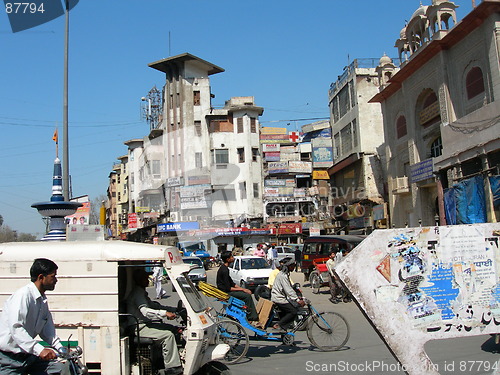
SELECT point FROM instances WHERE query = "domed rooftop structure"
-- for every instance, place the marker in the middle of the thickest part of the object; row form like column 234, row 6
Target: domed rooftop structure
column 385, row 60
column 420, row 12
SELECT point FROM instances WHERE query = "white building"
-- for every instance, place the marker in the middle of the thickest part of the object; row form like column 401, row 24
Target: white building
column 207, row 159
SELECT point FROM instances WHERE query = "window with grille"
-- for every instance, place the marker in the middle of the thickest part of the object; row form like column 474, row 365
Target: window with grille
column 474, row 82
column 197, row 128
column 243, row 190
column 220, row 156
column 253, row 125
column 255, row 189
column 401, row 127
column 437, row 148
column 344, row 104
column 155, row 168
column 198, row 160
column 239, row 122
column 346, row 139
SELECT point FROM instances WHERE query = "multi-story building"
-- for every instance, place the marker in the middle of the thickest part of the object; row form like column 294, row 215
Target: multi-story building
column 356, row 177
column 198, row 163
column 111, row 202
column 441, row 117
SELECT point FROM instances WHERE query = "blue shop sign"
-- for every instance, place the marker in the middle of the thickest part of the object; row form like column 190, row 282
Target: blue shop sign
column 176, row 227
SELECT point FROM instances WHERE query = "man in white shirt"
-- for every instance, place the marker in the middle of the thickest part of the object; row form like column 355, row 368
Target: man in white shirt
column 157, row 278
column 150, row 315
column 25, row 316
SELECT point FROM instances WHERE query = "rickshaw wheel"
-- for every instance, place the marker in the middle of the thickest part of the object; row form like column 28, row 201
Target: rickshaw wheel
column 328, row 331
column 233, row 334
column 315, row 281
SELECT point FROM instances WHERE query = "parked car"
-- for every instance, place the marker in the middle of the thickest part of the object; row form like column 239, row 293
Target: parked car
column 249, row 271
column 285, row 251
column 320, row 247
column 197, row 274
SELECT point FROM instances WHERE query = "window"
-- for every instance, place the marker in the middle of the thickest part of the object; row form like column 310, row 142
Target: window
column 255, row 153
column 220, row 156
column 223, row 193
column 155, row 164
column 253, row 125
column 243, row 190
column 196, row 98
column 430, row 113
column 239, row 122
column 346, row 139
column 401, row 127
column 354, row 134
column 437, row 148
column 197, row 128
column 344, row 104
column 474, row 83
column 241, row 155
column 255, row 189
column 198, row 160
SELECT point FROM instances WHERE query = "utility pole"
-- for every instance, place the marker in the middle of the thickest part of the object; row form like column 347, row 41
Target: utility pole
column 65, row 177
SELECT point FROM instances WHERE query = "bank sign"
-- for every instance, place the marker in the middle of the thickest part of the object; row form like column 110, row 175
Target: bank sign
column 178, row 227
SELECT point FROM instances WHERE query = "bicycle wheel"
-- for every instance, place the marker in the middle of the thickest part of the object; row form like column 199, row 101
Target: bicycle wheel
column 315, row 281
column 233, row 334
column 328, row 331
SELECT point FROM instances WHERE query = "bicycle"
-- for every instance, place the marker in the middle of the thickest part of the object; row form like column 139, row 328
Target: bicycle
column 327, row 331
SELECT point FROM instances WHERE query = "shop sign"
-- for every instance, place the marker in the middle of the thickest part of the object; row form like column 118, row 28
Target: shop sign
column 177, row 227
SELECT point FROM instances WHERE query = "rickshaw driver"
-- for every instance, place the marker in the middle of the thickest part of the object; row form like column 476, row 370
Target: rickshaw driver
column 283, row 294
column 146, row 311
column 226, row 284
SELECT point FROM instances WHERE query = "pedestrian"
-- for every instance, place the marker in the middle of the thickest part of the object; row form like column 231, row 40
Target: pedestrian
column 298, row 258
column 334, row 290
column 148, row 313
column 260, row 252
column 157, row 279
column 25, row 316
column 272, row 256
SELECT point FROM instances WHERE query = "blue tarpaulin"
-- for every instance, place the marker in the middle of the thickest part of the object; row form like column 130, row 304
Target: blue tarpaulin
column 450, row 206
column 469, row 201
column 495, row 189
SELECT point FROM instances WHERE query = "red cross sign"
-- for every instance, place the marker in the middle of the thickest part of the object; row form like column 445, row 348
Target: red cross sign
column 294, row 136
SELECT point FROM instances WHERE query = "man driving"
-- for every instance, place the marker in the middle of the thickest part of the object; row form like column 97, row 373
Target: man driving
column 150, row 315
column 283, row 294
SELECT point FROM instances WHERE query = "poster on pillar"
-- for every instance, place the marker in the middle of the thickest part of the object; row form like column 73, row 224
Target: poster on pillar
column 427, row 283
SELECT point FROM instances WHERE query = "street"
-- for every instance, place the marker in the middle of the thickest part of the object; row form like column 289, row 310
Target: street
column 365, row 352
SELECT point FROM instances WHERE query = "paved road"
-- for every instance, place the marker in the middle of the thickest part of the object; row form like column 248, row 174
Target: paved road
column 365, row 352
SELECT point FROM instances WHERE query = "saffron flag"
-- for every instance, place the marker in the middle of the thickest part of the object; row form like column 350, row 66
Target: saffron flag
column 55, row 137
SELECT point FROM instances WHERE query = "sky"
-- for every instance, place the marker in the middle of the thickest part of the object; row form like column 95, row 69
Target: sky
column 284, row 53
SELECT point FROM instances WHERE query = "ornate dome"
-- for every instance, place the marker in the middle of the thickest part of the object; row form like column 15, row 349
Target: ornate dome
column 402, row 34
column 420, row 11
column 384, row 60
column 437, row 2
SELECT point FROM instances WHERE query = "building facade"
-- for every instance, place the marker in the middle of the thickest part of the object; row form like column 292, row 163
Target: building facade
column 356, row 176
column 441, row 116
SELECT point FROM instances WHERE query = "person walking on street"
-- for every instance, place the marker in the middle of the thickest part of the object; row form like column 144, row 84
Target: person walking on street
column 330, row 265
column 298, row 258
column 157, row 278
column 25, row 316
column 272, row 256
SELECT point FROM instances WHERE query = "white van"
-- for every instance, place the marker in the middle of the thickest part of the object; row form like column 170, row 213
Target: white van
column 94, row 279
